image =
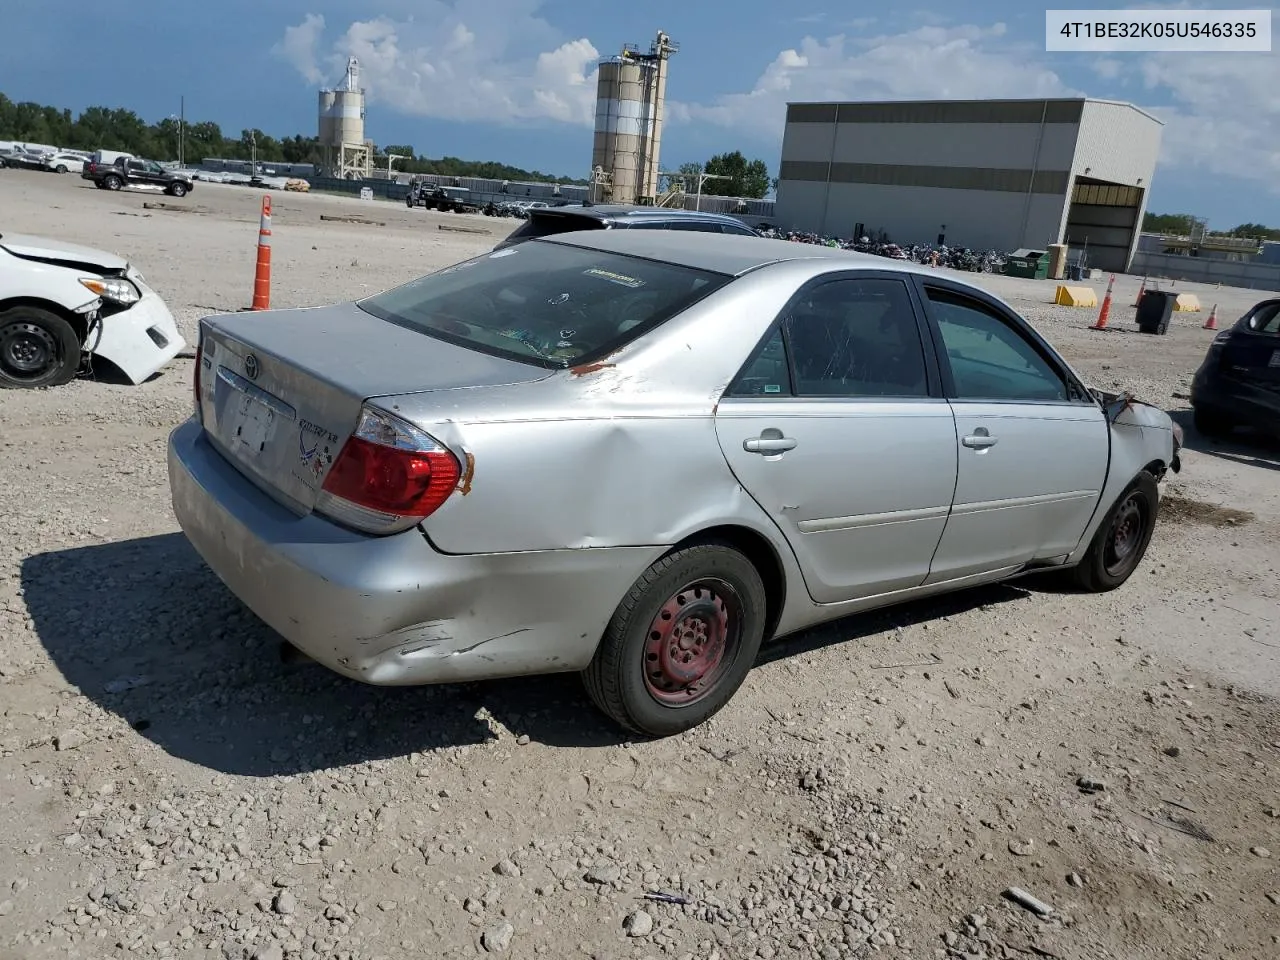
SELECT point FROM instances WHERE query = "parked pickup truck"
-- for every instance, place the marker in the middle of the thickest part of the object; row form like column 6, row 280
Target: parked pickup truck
column 133, row 172
column 457, row 199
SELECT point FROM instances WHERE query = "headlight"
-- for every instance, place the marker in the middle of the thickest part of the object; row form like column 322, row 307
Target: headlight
column 112, row 288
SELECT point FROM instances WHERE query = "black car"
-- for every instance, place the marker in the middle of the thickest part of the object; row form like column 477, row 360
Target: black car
column 136, row 172
column 1238, row 384
column 553, row 220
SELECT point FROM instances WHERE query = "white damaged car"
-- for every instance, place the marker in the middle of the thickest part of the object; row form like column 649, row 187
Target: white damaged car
column 62, row 304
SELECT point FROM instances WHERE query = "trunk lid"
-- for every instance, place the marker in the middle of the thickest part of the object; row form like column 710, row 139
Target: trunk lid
column 281, row 391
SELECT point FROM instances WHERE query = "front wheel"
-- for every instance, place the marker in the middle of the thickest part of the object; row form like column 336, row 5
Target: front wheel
column 681, row 642
column 37, row 349
column 1121, row 541
column 177, row 190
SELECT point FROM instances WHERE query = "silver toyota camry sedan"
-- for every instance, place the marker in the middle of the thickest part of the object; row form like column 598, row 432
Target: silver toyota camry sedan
column 640, row 454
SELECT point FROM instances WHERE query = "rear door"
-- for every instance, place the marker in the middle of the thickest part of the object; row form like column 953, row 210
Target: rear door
column 837, row 428
column 1033, row 445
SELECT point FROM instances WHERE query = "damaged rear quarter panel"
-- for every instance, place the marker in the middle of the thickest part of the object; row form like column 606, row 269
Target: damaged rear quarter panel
column 621, row 453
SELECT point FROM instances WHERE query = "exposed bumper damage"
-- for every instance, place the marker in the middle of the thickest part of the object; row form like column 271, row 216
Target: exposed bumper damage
column 139, row 339
column 393, row 610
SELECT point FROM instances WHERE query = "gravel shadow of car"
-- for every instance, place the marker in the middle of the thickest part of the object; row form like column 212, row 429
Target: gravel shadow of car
column 144, row 630
column 1249, row 447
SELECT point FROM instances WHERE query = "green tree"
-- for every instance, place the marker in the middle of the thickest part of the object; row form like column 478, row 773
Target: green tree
column 743, row 177
column 1177, row 224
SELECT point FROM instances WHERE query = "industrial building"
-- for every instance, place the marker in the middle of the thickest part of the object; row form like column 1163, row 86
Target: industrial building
column 345, row 153
column 631, row 90
column 987, row 174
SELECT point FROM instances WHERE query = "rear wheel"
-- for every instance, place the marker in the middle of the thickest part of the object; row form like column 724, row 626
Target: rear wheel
column 681, row 642
column 61, row 168
column 112, row 182
column 1122, row 539
column 37, row 349
column 1211, row 423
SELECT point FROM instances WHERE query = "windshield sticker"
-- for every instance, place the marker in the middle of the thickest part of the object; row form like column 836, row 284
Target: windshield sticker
column 503, row 253
column 617, row 278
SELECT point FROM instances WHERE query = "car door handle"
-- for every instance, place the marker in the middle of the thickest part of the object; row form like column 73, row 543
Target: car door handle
column 769, row 444
column 980, row 440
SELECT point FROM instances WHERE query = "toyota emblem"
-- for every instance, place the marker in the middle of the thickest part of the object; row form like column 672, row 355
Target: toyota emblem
column 251, row 367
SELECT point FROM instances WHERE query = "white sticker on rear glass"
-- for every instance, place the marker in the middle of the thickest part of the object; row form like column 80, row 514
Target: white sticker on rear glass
column 503, row 253
column 618, row 278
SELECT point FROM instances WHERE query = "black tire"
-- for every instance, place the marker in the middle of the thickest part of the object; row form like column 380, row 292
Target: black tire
column 1211, row 423
column 177, row 190
column 37, row 349
column 623, row 677
column 60, row 168
column 112, row 182
column 1119, row 546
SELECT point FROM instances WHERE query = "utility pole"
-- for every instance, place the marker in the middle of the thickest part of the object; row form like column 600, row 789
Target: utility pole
column 182, row 123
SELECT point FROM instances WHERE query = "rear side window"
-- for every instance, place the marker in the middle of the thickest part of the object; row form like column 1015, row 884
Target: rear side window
column 545, row 303
column 549, row 224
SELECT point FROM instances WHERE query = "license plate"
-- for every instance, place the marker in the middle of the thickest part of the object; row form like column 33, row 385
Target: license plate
column 253, row 424
column 1275, row 359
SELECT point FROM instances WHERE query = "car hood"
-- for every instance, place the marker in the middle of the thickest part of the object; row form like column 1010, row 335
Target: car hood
column 40, row 248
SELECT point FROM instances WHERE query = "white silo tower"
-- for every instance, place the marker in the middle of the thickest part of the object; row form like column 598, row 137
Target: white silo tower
column 345, row 151
column 630, row 91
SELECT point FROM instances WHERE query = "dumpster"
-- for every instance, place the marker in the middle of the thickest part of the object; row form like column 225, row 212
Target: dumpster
column 1155, row 310
column 1029, row 264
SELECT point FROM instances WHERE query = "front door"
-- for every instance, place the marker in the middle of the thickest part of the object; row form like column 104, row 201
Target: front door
column 1033, row 446
column 837, row 429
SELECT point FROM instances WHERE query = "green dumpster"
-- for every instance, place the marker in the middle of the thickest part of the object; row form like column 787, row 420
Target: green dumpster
column 1029, row 264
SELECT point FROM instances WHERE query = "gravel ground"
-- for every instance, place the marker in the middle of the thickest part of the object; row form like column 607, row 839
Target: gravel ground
column 172, row 789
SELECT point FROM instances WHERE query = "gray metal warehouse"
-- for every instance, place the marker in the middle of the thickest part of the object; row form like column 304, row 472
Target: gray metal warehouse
column 987, row 174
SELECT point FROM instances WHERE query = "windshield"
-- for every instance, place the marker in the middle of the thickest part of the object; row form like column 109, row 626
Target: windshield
column 545, row 303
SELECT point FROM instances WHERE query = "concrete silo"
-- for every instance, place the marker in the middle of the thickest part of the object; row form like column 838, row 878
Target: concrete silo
column 345, row 151
column 630, row 91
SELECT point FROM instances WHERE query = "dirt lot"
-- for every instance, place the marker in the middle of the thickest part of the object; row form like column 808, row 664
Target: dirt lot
column 171, row 789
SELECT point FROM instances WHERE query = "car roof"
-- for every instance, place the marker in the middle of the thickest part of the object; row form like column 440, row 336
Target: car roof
column 618, row 211
column 722, row 253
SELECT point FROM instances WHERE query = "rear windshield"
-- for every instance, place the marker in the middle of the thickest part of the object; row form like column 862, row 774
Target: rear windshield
column 1266, row 319
column 542, row 223
column 545, row 303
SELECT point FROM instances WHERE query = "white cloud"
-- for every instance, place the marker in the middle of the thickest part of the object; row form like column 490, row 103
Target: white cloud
column 482, row 60
column 298, row 47
column 964, row 62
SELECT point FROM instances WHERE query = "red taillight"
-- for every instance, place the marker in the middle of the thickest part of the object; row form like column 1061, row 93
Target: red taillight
column 389, row 475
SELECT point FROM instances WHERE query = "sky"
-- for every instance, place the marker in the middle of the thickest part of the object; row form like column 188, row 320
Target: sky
column 513, row 80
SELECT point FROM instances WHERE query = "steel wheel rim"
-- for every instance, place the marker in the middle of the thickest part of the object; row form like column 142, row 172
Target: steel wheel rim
column 28, row 352
column 1125, row 535
column 692, row 642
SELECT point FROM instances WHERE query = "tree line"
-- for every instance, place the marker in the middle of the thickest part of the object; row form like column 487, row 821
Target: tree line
column 1181, row 224
column 108, row 128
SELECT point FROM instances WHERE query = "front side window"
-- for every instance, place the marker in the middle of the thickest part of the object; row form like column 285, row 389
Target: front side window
column 989, row 359
column 545, row 303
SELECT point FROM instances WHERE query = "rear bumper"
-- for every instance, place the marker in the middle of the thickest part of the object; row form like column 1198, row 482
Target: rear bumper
column 1256, row 406
column 393, row 610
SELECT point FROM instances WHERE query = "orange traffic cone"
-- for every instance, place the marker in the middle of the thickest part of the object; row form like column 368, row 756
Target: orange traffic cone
column 1141, row 290
column 1106, row 306
column 1212, row 322
column 262, row 274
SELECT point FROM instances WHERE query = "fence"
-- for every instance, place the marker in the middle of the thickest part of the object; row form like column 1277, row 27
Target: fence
column 1229, row 273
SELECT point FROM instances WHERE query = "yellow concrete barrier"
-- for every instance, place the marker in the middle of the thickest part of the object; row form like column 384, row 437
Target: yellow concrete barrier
column 1187, row 303
column 1068, row 296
